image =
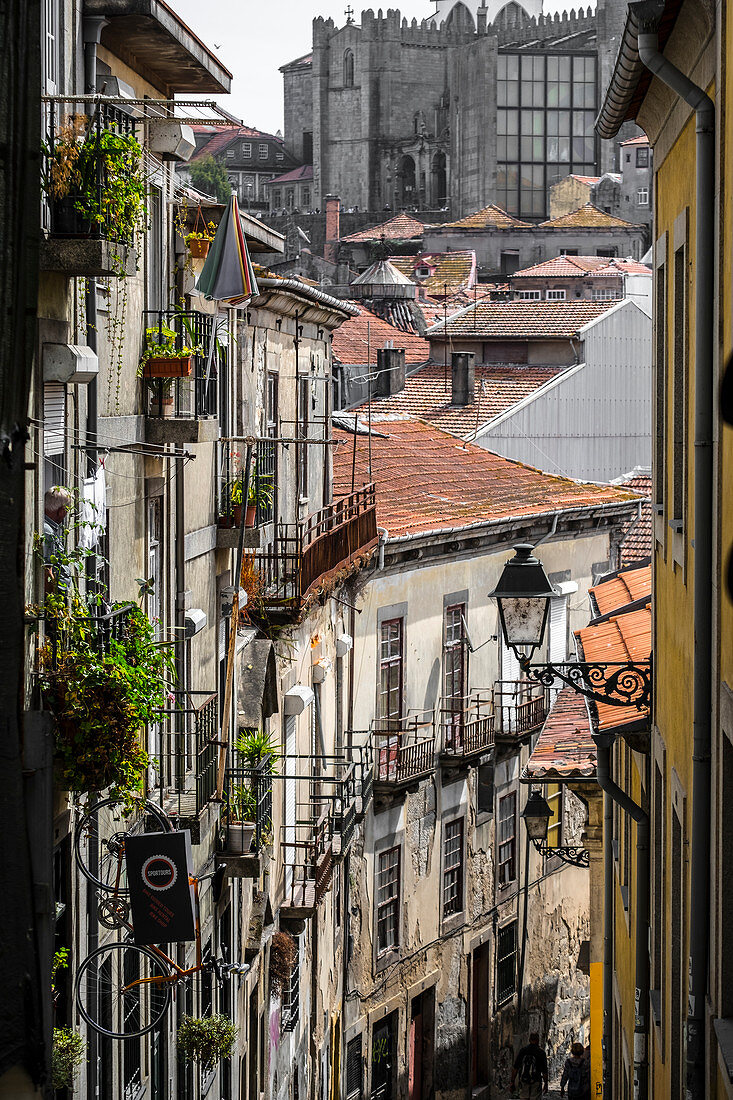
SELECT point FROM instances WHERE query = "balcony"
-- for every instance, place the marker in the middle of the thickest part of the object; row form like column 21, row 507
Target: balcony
column 101, row 631
column 186, row 757
column 184, row 409
column 263, row 480
column 88, row 216
column 245, row 841
column 310, row 557
column 307, row 857
column 404, row 750
column 521, row 709
column 467, row 726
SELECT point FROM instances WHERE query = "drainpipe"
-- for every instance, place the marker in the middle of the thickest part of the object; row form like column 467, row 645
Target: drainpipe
column 627, row 804
column 703, row 558
column 607, row 945
column 383, row 536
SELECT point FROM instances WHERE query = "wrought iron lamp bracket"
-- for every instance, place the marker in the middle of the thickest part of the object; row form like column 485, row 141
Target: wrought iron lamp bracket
column 573, row 854
column 616, row 683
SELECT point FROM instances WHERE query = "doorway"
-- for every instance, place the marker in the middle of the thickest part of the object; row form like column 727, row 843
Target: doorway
column 480, row 1016
column 384, row 1058
column 421, row 1046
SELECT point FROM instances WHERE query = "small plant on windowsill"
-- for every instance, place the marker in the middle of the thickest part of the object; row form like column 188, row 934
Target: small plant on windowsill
column 206, row 1039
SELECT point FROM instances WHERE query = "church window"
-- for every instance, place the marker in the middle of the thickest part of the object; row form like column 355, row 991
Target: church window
column 349, row 69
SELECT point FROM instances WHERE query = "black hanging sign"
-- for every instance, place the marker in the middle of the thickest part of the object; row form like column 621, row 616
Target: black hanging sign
column 161, row 897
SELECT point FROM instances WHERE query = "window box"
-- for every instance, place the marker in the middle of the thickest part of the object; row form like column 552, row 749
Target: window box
column 159, row 366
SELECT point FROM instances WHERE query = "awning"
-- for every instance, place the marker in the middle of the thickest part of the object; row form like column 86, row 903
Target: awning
column 257, row 695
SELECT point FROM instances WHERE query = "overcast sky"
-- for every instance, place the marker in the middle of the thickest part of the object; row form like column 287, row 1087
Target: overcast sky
column 253, row 38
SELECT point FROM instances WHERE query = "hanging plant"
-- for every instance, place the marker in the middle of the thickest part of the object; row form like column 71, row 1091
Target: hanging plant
column 283, row 957
column 206, row 1040
column 67, row 1054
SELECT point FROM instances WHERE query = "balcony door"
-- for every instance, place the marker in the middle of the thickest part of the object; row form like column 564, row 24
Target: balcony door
column 455, row 673
column 391, row 660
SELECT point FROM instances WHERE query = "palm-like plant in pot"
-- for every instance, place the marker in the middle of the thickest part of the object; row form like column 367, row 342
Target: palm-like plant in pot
column 257, row 752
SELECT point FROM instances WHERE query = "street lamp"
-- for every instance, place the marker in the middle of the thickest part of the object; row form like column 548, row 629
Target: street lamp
column 537, row 816
column 523, row 594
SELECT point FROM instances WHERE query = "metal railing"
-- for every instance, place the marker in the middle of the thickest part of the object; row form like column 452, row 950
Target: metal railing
column 404, row 748
column 188, row 736
column 195, row 396
column 262, row 477
column 303, row 554
column 467, row 723
column 76, row 142
column 520, row 707
column 100, row 631
column 259, row 782
column 307, row 860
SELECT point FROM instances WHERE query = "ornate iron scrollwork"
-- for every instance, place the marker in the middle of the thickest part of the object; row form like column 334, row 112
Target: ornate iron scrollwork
column 568, row 853
column 617, row 683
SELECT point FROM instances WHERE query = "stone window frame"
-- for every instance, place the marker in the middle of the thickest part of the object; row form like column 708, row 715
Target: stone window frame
column 508, row 792
column 381, row 960
column 456, row 919
column 384, row 614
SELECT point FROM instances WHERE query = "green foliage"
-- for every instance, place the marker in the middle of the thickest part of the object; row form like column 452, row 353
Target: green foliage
column 67, row 1055
column 242, row 806
column 206, row 1039
column 60, row 962
column 254, row 745
column 160, row 342
column 210, row 177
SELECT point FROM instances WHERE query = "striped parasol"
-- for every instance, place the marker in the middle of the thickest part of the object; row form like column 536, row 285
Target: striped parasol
column 228, row 276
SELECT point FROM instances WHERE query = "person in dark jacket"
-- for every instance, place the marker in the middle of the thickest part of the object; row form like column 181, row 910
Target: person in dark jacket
column 576, row 1074
column 530, row 1066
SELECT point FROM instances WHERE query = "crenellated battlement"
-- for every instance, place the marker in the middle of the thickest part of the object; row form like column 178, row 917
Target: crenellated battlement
column 513, row 25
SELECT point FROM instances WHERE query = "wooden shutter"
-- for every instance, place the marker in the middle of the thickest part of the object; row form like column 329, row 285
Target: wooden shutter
column 353, row 1068
column 54, row 417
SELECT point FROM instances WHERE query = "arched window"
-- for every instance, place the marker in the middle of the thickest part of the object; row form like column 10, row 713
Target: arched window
column 349, row 69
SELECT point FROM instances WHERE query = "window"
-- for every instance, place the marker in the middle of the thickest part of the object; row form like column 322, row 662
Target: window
column 568, row 252
column 485, row 789
column 247, row 149
column 263, row 151
column 610, row 252
column 529, row 295
column 554, row 825
column 349, row 69
column 51, row 53
column 660, row 367
column 291, row 994
column 642, row 158
column 290, row 198
column 391, row 656
column 604, row 294
column 54, row 432
column 230, row 153
column 642, row 197
column 555, row 295
column 422, row 272
column 279, row 156
column 455, row 669
column 155, row 249
column 659, row 927
column 304, row 387
column 388, row 901
column 453, row 867
column 305, row 197
column 507, row 834
column 277, row 198
column 509, row 262
column 307, row 146
column 506, row 963
column 628, row 158
column 353, row 1069
column 679, row 388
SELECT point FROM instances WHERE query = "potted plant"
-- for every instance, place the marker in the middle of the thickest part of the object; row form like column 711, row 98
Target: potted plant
column 260, row 495
column 283, row 957
column 236, row 497
column 241, row 824
column 206, row 1040
column 67, row 1054
column 161, row 358
column 161, row 396
column 198, row 244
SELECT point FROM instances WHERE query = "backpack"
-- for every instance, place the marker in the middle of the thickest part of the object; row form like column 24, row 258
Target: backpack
column 529, row 1072
column 576, row 1077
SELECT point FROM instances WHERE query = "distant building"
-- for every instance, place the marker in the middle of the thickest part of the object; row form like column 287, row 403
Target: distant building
column 291, row 191
column 567, row 278
column 439, row 274
column 251, row 158
column 637, row 179
column 626, row 193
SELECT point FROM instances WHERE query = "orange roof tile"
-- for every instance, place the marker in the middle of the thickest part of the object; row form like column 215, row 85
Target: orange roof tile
column 305, row 172
column 625, row 588
column 641, row 139
column 522, row 320
column 580, row 267
column 625, row 637
column 400, row 228
column 565, row 748
column 588, row 217
column 590, row 180
column 426, row 480
column 427, row 394
column 636, row 544
column 449, row 271
column 358, row 339
column 491, row 217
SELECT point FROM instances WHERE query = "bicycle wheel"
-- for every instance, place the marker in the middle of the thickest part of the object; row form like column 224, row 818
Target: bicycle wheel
column 99, row 840
column 119, row 990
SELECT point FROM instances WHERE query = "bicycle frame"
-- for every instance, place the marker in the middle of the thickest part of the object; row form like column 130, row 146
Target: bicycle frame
column 179, row 972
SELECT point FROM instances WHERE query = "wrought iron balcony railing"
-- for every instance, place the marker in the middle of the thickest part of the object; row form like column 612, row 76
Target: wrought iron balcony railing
column 307, row 859
column 258, row 782
column 304, row 557
column 520, row 707
column 404, row 748
column 263, row 481
column 100, row 631
column 186, row 753
column 467, row 724
column 190, row 397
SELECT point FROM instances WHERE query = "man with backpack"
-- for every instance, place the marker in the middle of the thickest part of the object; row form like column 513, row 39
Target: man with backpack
column 576, row 1074
column 530, row 1067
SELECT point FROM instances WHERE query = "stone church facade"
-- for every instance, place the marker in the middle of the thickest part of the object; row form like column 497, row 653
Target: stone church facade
column 484, row 102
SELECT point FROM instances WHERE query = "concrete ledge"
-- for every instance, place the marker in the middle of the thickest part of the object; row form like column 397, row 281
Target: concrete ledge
column 227, row 538
column 241, row 866
column 85, row 256
column 199, row 542
column 174, row 429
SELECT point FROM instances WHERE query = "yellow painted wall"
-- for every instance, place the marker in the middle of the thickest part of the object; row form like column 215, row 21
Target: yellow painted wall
column 596, row 1028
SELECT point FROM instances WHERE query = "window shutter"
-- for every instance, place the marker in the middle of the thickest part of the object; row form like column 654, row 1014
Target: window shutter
column 353, row 1068
column 559, row 628
column 54, row 417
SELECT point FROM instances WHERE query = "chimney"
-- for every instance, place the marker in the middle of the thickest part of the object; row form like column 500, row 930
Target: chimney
column 463, row 374
column 333, row 228
column 390, row 371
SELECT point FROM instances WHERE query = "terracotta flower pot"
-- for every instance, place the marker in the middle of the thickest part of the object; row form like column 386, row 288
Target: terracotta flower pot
column 160, row 366
column 161, row 404
column 237, row 514
column 199, row 249
column 226, row 521
column 249, row 515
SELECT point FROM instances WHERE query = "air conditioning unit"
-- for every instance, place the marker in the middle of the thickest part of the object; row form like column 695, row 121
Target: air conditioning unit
column 170, row 139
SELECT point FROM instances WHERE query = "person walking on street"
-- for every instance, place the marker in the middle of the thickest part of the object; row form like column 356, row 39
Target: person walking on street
column 576, row 1074
column 530, row 1067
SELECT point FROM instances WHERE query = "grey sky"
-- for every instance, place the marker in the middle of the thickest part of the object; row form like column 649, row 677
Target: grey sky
column 254, row 37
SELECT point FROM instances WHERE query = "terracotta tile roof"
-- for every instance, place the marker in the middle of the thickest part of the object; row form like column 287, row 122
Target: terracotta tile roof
column 624, row 588
column 625, row 637
column 400, row 228
column 305, row 172
column 427, row 395
column 426, row 480
column 300, row 62
column 358, row 339
column 636, row 544
column 565, row 748
column 225, row 135
column 590, row 180
column 522, row 320
column 581, row 267
column 588, row 217
column 642, row 139
column 454, row 270
column 491, row 217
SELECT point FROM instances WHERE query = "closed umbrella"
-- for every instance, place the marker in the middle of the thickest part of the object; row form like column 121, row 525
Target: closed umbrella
column 228, row 276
